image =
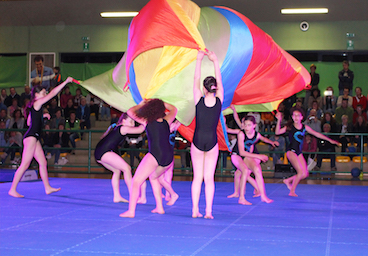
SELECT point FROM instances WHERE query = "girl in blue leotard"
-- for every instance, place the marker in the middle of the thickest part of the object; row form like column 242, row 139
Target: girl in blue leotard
column 204, row 149
column 294, row 151
column 151, row 114
column 32, row 146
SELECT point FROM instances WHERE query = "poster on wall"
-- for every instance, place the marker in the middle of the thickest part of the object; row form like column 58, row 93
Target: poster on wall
column 41, row 66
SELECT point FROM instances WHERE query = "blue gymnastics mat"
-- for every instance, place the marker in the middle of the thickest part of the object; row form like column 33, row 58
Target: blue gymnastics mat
column 81, row 219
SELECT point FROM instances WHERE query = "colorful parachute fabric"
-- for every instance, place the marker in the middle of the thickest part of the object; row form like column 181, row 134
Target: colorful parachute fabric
column 163, row 42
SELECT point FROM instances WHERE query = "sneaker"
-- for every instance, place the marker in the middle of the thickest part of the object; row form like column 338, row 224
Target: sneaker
column 63, row 161
column 48, row 156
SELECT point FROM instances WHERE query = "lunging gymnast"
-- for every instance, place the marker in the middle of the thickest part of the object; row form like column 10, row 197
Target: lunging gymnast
column 294, row 151
column 32, row 146
column 151, row 114
column 204, row 149
column 107, row 155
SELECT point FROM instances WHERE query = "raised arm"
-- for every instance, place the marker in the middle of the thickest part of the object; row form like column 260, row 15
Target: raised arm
column 278, row 129
column 132, row 112
column 197, row 93
column 236, row 116
column 170, row 117
column 220, row 89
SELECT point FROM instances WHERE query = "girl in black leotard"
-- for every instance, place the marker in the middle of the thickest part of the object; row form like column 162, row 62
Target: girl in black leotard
column 204, row 149
column 294, row 154
column 151, row 114
column 106, row 153
column 32, row 146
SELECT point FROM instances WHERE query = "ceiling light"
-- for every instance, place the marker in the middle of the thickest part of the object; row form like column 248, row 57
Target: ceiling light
column 304, row 11
column 118, row 14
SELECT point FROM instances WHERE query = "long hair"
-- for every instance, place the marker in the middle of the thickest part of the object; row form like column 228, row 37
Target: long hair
column 210, row 84
column 249, row 118
column 36, row 88
column 152, row 110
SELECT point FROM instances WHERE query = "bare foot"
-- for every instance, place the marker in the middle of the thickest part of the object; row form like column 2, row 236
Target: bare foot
column 208, row 216
column 14, row 193
column 167, row 197
column 159, row 211
column 287, row 184
column 197, row 215
column 244, row 202
column 142, row 200
column 51, row 190
column 173, row 199
column 266, row 200
column 257, row 194
column 293, row 194
column 233, row 195
column 127, row 214
column 120, row 200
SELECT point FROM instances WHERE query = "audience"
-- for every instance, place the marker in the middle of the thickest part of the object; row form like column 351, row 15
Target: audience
column 13, row 107
column 73, row 124
column 346, row 77
column 344, row 127
column 329, row 101
column 25, row 95
column 360, row 127
column 60, row 140
column 69, row 107
column 53, row 107
column 267, row 121
column 105, row 112
column 57, row 120
column 276, row 157
column 83, row 113
column 359, row 99
column 3, row 96
column 13, row 95
column 345, row 96
column 359, row 112
column 315, row 106
column 326, row 146
column 315, row 96
column 4, row 115
column 64, row 97
column 77, row 98
column 17, row 120
column 329, row 119
column 312, row 121
column 344, row 109
column 15, row 141
column 94, row 104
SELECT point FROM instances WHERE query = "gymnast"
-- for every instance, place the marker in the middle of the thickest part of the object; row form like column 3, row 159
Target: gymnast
column 31, row 140
column 294, row 151
column 106, row 153
column 248, row 137
column 204, row 149
column 151, row 114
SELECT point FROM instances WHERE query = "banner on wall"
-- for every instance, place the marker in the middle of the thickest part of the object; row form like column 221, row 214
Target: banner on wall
column 41, row 66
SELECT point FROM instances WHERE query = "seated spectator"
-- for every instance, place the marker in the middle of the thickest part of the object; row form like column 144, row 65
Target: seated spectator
column 359, row 112
column 13, row 107
column 25, row 95
column 53, row 107
column 344, row 127
column 94, row 104
column 57, row 120
column 4, row 115
column 77, row 98
column 13, row 95
column 64, row 97
column 298, row 104
column 56, row 80
column 56, row 97
column 47, row 141
column 60, row 140
column 360, row 127
column 106, row 112
column 69, row 107
column 309, row 145
column 15, row 143
column 345, row 96
column 25, row 110
column 319, row 112
column 83, row 114
column 359, row 99
column 267, row 121
column 3, row 96
column 281, row 108
column 329, row 101
column 17, row 120
column 344, row 109
column 72, row 124
column 326, row 146
column 329, row 119
column 134, row 142
column 315, row 96
column 3, row 142
column 281, row 147
column 312, row 121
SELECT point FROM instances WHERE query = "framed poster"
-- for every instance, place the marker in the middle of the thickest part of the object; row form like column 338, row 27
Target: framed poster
column 41, row 65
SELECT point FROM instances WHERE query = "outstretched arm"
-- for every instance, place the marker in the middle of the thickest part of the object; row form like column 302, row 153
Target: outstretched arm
column 220, row 89
column 266, row 140
column 170, row 117
column 197, row 93
column 321, row 136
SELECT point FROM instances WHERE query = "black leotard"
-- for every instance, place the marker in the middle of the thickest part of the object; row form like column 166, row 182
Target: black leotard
column 158, row 134
column 296, row 138
column 248, row 143
column 207, row 118
column 109, row 143
column 35, row 129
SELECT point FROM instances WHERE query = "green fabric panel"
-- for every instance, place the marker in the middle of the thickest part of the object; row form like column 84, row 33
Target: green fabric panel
column 95, row 69
column 75, row 70
column 13, row 71
column 266, row 107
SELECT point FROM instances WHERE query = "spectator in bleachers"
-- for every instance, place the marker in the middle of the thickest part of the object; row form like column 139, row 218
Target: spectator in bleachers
column 17, row 120
column 359, row 99
column 314, row 84
column 268, row 120
column 105, row 112
column 56, row 98
column 25, row 95
column 344, row 109
column 360, row 127
column 115, row 115
column 69, row 107
column 346, row 77
column 53, row 107
column 25, row 111
column 47, row 141
column 345, row 96
column 134, row 142
column 315, row 96
column 359, row 112
column 4, row 115
column 299, row 105
column 13, row 107
column 315, row 106
column 276, row 157
column 329, row 119
column 77, row 98
column 56, row 80
column 3, row 142
column 286, row 113
column 3, row 96
column 83, row 113
column 13, row 95
column 64, row 97
column 309, row 145
column 312, row 121
column 344, row 127
column 60, row 140
column 94, row 104
column 14, row 142
column 329, row 100
column 57, row 120
column 72, row 124
column 326, row 146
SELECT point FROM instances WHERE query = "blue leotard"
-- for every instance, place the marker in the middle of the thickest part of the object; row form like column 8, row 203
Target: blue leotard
column 296, row 138
column 248, row 143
